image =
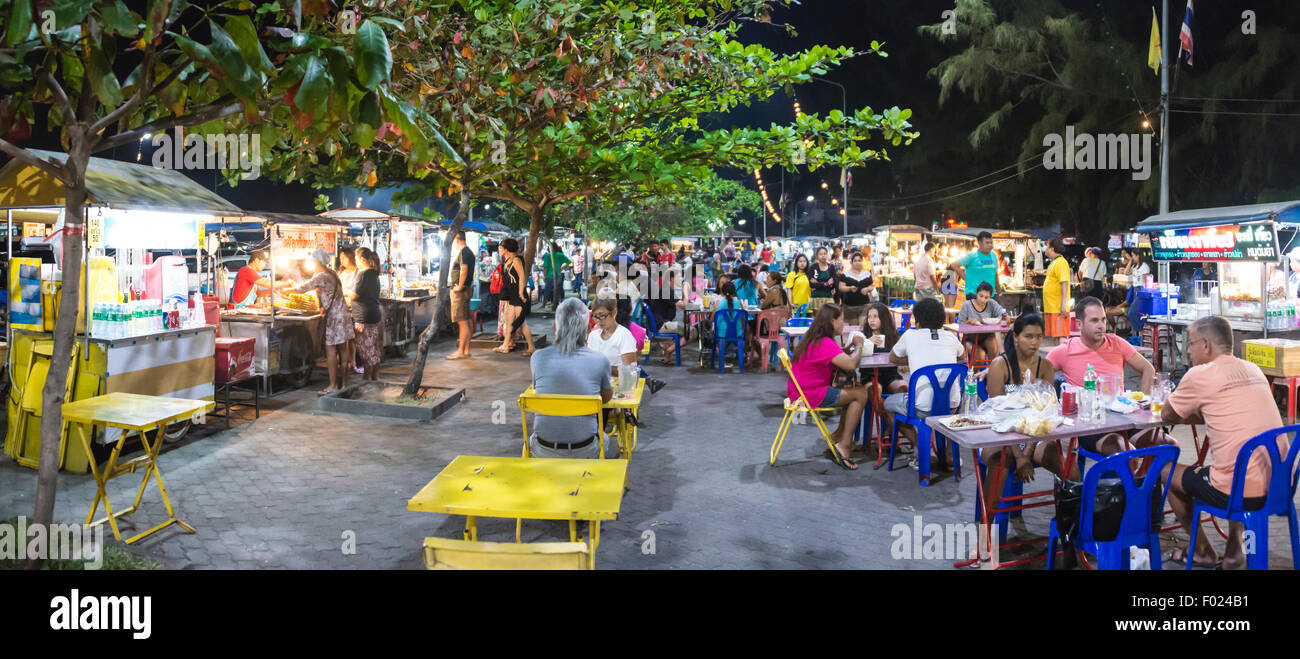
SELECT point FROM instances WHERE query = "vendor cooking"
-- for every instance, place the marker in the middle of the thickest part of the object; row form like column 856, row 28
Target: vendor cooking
column 250, row 284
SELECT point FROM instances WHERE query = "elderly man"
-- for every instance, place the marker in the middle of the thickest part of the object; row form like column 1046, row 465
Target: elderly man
column 1233, row 399
column 1106, row 353
column 570, row 367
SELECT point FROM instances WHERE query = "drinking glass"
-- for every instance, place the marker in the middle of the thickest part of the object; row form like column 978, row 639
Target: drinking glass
column 628, row 376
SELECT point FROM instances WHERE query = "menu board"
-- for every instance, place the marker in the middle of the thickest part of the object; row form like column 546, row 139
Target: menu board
column 407, row 239
column 304, row 239
column 1253, row 242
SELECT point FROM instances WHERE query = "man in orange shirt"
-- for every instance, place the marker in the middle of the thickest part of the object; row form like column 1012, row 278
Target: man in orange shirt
column 1233, row 399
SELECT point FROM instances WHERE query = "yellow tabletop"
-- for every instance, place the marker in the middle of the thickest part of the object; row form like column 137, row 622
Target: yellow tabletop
column 132, row 411
column 630, row 403
column 530, row 488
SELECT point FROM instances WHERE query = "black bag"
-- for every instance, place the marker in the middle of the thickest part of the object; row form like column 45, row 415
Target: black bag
column 1107, row 511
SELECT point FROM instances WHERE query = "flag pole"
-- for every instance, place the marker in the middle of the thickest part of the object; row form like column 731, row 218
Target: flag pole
column 1164, row 110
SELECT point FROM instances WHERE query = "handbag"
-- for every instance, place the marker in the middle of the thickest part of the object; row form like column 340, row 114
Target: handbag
column 1107, row 511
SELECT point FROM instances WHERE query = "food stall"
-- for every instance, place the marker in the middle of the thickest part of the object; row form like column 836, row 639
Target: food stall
column 1252, row 287
column 897, row 247
column 141, row 326
column 288, row 331
column 408, row 249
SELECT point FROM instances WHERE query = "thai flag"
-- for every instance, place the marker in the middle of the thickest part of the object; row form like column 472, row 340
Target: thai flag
column 1185, row 36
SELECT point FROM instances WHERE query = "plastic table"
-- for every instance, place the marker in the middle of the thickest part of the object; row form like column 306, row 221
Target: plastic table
column 138, row 413
column 526, row 488
column 988, row 438
column 626, row 436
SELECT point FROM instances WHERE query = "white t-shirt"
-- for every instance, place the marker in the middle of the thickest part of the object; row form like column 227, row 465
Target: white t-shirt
column 621, row 343
column 1139, row 273
column 921, row 350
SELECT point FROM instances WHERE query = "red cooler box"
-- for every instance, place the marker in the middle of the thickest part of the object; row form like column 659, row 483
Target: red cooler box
column 234, row 358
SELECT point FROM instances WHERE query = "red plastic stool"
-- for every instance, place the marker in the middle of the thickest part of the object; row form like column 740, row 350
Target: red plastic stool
column 1290, row 384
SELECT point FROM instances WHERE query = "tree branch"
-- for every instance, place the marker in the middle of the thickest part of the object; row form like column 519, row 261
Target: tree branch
column 18, row 153
column 222, row 107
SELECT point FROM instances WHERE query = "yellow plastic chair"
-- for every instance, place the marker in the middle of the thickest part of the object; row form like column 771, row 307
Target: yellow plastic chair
column 562, row 405
column 800, row 405
column 448, row 554
column 30, row 397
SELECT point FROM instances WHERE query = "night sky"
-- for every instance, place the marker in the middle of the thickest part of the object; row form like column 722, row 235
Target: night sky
column 900, row 80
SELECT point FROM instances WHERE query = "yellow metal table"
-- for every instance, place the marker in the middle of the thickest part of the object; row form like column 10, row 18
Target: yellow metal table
column 632, row 403
column 140, row 414
column 527, row 488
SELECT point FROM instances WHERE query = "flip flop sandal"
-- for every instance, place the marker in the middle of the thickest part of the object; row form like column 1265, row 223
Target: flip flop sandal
column 1181, row 559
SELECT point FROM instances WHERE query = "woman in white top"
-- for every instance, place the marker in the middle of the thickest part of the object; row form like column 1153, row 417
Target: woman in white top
column 609, row 338
column 1092, row 273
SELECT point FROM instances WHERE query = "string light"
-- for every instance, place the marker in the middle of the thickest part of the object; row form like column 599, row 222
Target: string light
column 767, row 203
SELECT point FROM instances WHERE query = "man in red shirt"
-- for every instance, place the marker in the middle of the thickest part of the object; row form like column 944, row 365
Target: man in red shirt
column 249, row 282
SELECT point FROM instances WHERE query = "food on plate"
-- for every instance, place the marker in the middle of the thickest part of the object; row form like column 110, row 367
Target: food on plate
column 966, row 422
column 1136, row 396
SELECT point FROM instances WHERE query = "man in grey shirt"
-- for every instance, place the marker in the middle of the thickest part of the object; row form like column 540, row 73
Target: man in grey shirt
column 570, row 367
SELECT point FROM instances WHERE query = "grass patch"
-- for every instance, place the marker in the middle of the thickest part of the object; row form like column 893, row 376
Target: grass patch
column 114, row 558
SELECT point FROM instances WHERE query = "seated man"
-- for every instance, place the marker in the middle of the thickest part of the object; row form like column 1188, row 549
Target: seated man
column 926, row 344
column 1233, row 399
column 1106, row 353
column 570, row 367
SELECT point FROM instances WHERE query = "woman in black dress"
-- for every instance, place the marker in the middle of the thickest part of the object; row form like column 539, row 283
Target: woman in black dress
column 518, row 302
column 822, row 279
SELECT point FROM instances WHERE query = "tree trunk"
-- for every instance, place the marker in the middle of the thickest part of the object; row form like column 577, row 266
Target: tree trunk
column 65, row 334
column 535, row 212
column 442, row 305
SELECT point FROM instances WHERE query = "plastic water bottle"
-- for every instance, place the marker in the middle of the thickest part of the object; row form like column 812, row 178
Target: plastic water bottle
column 971, row 401
column 1088, row 402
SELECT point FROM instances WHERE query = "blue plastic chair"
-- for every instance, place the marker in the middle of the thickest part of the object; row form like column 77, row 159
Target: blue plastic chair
column 735, row 321
column 797, row 322
column 802, row 311
column 907, row 315
column 1135, row 525
column 1280, row 500
column 648, row 322
column 940, row 406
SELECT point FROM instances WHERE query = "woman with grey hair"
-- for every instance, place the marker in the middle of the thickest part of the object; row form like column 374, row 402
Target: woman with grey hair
column 570, row 367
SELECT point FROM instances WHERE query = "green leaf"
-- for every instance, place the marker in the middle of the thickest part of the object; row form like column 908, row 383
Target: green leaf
column 119, row 19
column 315, row 86
column 391, row 22
column 374, row 61
column 20, row 22
column 241, row 30
column 368, row 111
column 363, row 135
column 231, row 61
column 102, row 81
column 68, row 12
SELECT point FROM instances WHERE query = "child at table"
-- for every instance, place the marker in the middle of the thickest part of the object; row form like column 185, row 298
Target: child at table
column 982, row 310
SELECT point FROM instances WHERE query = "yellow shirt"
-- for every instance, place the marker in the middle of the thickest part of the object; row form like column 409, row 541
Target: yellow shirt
column 800, row 291
column 1057, row 273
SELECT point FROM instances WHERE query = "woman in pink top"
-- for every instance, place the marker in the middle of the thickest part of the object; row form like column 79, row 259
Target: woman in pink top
column 813, row 365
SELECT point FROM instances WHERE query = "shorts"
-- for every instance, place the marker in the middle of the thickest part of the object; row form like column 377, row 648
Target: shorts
column 948, row 288
column 1056, row 325
column 460, row 306
column 832, row 397
column 897, row 403
column 1196, row 482
column 926, row 294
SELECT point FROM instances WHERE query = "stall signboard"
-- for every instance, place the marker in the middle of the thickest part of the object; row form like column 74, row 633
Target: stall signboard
column 1116, row 242
column 25, row 294
column 302, row 239
column 407, row 240
column 1255, row 242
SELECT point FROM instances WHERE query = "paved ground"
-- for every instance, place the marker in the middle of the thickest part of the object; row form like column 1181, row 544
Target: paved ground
column 284, row 490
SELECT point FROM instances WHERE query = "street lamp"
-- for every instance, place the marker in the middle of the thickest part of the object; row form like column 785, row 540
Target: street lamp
column 844, row 95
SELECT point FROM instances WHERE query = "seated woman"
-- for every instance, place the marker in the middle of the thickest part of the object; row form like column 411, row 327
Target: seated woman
column 880, row 331
column 813, row 365
column 1019, row 359
column 746, row 288
column 982, row 310
column 775, row 296
column 614, row 340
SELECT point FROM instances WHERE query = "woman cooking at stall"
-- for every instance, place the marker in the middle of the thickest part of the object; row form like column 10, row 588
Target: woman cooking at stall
column 338, row 320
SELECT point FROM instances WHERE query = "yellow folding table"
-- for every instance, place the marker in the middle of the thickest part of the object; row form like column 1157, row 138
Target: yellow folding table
column 132, row 413
column 527, row 488
column 632, row 403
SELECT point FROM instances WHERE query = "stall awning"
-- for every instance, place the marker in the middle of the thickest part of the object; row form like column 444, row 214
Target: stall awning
column 258, row 219
column 482, row 226
column 109, row 183
column 1285, row 212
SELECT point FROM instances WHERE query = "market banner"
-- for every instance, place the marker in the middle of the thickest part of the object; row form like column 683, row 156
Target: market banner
column 1257, row 242
column 302, row 240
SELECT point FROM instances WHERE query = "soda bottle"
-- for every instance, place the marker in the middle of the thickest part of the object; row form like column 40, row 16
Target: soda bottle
column 1088, row 402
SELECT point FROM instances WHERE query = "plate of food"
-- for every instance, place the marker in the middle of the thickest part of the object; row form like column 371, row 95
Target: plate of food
column 962, row 423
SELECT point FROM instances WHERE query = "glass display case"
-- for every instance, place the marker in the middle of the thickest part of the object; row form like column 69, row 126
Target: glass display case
column 1245, row 287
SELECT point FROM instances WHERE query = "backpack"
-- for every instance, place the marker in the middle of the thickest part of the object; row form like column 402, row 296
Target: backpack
column 494, row 284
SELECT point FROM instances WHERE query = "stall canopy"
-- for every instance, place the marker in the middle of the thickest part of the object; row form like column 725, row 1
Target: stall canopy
column 257, row 219
column 111, row 183
column 482, row 226
column 1282, row 212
